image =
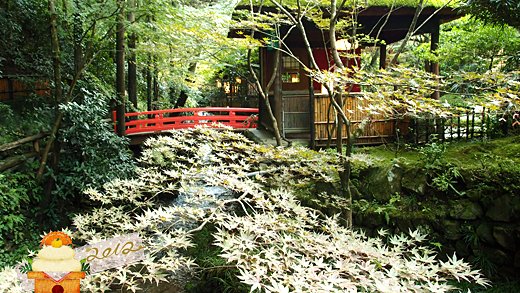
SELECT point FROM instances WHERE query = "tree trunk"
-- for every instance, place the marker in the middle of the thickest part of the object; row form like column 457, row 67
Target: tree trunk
column 155, row 86
column 78, row 48
column 333, row 92
column 409, row 34
column 132, row 62
column 183, row 96
column 382, row 56
column 434, row 45
column 58, row 90
column 120, row 69
column 149, row 85
column 56, row 60
column 264, row 94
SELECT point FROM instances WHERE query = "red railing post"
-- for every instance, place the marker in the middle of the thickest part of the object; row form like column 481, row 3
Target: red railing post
column 158, row 119
column 232, row 119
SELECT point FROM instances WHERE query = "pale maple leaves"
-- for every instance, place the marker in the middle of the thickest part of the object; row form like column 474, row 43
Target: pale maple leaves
column 247, row 192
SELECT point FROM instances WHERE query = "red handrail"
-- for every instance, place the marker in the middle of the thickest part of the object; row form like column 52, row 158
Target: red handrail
column 161, row 120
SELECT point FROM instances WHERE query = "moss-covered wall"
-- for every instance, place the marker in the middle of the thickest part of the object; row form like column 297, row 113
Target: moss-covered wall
column 468, row 200
column 465, row 196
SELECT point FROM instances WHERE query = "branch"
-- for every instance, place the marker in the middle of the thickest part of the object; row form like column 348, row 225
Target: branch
column 410, row 32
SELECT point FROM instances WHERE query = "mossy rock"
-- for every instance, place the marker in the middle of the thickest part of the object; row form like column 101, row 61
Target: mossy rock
column 414, row 180
column 485, row 233
column 481, row 193
column 465, row 209
column 500, row 209
column 497, row 256
column 381, row 182
column 515, row 207
column 505, row 237
column 451, row 229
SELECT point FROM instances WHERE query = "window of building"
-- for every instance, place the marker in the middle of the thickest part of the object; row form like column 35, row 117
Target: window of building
column 291, row 70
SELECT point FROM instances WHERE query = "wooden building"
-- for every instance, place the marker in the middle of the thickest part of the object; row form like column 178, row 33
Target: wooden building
column 301, row 106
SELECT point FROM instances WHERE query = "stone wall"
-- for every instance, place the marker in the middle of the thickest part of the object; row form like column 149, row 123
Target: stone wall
column 478, row 216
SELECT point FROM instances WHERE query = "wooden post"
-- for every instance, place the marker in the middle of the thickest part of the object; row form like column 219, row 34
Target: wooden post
column 434, row 45
column 458, row 125
column 451, row 127
column 472, row 123
column 382, row 56
column 488, row 124
column 483, row 123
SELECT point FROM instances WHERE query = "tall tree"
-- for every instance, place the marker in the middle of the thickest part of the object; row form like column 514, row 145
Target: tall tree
column 120, row 102
column 132, row 60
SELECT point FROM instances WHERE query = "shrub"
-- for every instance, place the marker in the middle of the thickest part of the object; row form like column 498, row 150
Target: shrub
column 18, row 195
column 92, row 154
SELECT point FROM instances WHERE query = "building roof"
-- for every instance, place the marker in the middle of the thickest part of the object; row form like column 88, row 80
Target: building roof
column 386, row 3
column 372, row 20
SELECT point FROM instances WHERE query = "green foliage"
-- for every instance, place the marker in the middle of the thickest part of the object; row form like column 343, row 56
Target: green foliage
column 498, row 287
column 388, row 210
column 432, row 154
column 498, row 12
column 500, row 171
column 24, row 43
column 6, row 119
column 443, row 174
column 213, row 274
column 184, row 44
column 92, row 153
column 446, row 180
column 470, row 45
column 19, row 123
column 18, row 195
column 483, row 261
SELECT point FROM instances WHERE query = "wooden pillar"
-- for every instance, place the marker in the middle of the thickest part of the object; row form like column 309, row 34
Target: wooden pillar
column 382, row 56
column 434, row 45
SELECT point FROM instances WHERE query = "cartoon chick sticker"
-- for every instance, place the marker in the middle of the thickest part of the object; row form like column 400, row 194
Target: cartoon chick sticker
column 54, row 269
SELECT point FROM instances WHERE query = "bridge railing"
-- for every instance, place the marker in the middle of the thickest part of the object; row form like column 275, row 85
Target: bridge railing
column 160, row 120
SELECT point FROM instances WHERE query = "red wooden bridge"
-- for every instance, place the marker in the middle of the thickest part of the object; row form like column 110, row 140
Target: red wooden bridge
column 149, row 122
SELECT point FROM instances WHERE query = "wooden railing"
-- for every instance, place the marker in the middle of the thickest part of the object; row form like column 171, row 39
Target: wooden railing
column 11, row 159
column 468, row 124
column 161, row 120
